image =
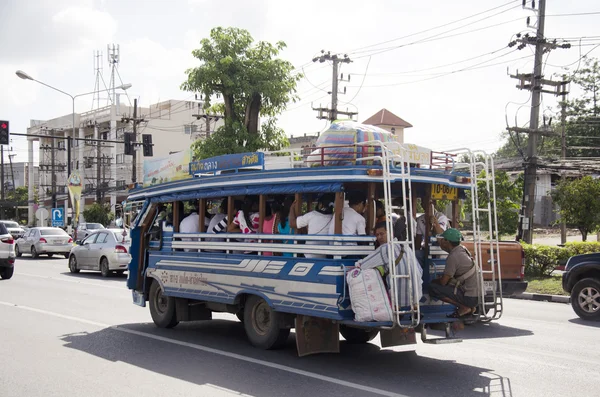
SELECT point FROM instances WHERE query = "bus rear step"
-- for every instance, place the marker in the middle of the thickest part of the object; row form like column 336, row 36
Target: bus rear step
column 448, row 328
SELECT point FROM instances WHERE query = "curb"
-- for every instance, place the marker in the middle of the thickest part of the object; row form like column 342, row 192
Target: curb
column 543, row 297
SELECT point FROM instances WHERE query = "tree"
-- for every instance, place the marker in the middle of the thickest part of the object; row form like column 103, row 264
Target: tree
column 98, row 213
column 579, row 204
column 252, row 81
column 508, row 201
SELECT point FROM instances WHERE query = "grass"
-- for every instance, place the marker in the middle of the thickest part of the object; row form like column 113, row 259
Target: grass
column 551, row 285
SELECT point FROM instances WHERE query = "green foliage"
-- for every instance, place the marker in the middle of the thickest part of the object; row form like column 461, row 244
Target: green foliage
column 508, row 199
column 98, row 213
column 20, row 195
column 252, row 81
column 541, row 260
column 551, row 285
column 579, row 203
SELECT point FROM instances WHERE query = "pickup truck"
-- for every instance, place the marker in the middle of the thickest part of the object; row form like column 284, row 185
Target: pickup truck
column 581, row 279
column 512, row 265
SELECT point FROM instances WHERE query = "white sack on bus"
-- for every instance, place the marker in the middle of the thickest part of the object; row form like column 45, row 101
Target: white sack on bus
column 370, row 301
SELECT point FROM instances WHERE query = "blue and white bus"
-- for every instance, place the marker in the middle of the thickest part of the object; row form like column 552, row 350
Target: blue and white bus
column 276, row 282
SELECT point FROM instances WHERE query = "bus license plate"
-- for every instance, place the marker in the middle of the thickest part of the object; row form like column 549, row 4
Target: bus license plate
column 138, row 298
column 489, row 286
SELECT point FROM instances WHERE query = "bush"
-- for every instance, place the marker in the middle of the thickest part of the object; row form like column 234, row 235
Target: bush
column 542, row 260
column 98, row 213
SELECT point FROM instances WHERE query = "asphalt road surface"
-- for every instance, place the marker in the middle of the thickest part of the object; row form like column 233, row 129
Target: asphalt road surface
column 80, row 335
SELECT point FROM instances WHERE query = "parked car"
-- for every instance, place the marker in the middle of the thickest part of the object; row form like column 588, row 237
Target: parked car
column 7, row 253
column 582, row 280
column 85, row 229
column 44, row 240
column 106, row 250
column 14, row 229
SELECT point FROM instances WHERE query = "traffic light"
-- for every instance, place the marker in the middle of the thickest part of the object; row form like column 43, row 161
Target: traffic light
column 129, row 140
column 4, row 134
column 147, row 142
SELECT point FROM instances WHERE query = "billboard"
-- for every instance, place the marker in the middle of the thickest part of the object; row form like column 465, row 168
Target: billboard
column 167, row 169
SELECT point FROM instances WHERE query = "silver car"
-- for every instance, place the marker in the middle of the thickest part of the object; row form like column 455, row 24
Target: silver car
column 85, row 229
column 7, row 253
column 106, row 250
column 14, row 229
column 44, row 240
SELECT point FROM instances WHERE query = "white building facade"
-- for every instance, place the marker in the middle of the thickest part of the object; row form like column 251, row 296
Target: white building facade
column 98, row 152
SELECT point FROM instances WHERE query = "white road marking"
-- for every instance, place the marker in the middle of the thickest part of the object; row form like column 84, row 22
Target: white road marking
column 124, row 287
column 235, row 356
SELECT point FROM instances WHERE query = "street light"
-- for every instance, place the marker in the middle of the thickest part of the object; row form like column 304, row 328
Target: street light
column 25, row 76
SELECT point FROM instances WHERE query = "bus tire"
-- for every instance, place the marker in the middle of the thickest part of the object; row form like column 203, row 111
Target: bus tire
column 162, row 307
column 261, row 323
column 356, row 335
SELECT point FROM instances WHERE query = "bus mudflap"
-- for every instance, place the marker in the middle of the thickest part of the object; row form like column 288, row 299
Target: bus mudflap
column 316, row 335
column 138, row 298
column 398, row 336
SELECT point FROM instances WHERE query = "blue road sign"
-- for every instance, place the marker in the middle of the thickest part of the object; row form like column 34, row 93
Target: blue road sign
column 58, row 217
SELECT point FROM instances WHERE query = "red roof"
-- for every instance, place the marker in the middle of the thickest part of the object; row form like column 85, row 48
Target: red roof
column 385, row 117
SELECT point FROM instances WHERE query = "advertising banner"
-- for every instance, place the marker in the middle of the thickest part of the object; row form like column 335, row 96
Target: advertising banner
column 167, row 169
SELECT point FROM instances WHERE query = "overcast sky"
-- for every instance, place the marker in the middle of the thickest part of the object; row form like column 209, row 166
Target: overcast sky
column 54, row 42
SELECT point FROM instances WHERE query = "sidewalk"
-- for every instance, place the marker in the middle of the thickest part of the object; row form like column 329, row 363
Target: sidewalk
column 543, row 297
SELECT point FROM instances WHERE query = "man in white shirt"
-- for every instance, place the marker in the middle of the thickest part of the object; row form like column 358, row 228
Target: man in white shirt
column 317, row 221
column 190, row 224
column 438, row 222
column 353, row 222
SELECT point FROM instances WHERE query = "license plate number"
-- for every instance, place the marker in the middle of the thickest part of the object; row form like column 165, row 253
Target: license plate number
column 489, row 286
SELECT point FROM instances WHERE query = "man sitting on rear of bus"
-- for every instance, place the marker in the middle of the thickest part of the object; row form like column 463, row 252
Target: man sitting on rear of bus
column 458, row 285
column 404, row 257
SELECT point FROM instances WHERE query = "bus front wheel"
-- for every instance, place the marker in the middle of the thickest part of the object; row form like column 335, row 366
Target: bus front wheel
column 162, row 307
column 262, row 324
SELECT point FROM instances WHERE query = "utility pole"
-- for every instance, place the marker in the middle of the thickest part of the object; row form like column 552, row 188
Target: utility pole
column 99, row 183
column 135, row 139
column 53, row 173
column 563, row 147
column 135, row 121
column 12, row 175
column 2, row 179
column 207, row 117
column 533, row 82
column 326, row 113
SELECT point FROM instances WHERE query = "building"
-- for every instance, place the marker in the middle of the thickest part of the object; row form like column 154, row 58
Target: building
column 105, row 170
column 17, row 175
column 306, row 143
column 389, row 122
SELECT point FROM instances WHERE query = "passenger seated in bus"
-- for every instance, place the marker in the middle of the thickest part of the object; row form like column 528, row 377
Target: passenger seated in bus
column 353, row 221
column 269, row 225
column 219, row 216
column 438, row 222
column 458, row 285
column 246, row 220
column 190, row 224
column 317, row 221
column 222, row 225
column 405, row 261
column 398, row 219
column 283, row 222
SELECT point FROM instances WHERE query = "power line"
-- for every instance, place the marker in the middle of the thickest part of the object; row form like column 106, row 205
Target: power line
column 472, row 67
column 433, row 28
column 361, row 83
column 574, row 14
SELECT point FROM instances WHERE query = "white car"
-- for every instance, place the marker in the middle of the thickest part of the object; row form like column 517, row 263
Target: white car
column 44, row 241
column 14, row 229
column 85, row 229
column 7, row 253
column 106, row 250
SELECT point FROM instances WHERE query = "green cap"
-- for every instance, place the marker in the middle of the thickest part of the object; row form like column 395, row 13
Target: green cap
column 452, row 235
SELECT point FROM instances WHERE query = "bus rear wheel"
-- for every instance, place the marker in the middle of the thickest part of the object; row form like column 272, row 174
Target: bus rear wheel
column 162, row 307
column 262, row 324
column 357, row 335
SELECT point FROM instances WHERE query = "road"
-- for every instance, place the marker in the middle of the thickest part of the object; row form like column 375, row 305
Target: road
column 73, row 335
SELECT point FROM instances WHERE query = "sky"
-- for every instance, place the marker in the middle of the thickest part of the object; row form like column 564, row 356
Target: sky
column 449, row 79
